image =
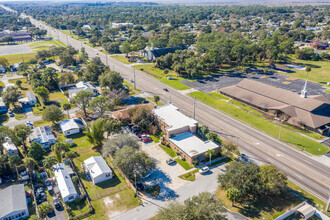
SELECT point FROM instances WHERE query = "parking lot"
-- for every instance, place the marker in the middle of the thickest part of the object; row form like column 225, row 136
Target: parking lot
column 281, row 81
column 165, row 175
column 15, row 49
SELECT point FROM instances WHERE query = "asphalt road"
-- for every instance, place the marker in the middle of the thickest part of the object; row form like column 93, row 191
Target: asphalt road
column 302, row 169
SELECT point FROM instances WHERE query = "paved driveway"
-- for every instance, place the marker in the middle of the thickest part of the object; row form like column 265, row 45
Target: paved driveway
column 165, row 175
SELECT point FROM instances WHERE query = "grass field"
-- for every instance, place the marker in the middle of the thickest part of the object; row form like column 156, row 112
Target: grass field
column 327, row 91
column 319, row 74
column 44, row 45
column 121, row 58
column 183, row 163
column 158, row 73
column 266, row 209
column 168, row 150
column 19, row 58
column 289, row 136
column 24, row 87
column 189, row 176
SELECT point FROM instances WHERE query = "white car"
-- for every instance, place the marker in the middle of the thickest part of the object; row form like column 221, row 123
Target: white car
column 204, row 170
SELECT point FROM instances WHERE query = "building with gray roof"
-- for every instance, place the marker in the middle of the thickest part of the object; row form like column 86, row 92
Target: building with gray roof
column 43, row 136
column 13, row 203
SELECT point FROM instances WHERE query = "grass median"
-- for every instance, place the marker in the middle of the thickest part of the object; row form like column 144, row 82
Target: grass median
column 287, row 135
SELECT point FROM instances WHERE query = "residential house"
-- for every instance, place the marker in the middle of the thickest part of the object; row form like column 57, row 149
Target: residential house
column 9, row 147
column 82, row 86
column 43, row 136
column 64, row 182
column 14, row 68
column 154, row 53
column 30, row 99
column 98, row 169
column 71, row 126
column 13, row 203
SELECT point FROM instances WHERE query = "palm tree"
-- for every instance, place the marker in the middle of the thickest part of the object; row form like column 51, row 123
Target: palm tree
column 209, row 153
column 60, row 148
column 48, row 162
column 95, row 134
column 30, row 163
column 71, row 154
column 14, row 161
column 232, row 194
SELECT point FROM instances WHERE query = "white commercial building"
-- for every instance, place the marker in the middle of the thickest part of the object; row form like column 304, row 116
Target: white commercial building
column 43, row 136
column 71, row 126
column 173, row 122
column 13, row 203
column 64, row 182
column 98, row 169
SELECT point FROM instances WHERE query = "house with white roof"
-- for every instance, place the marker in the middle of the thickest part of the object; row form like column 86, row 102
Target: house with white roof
column 13, row 203
column 173, row 122
column 179, row 130
column 191, row 148
column 30, row 99
column 98, row 169
column 64, row 182
column 71, row 126
column 43, row 136
column 82, row 86
column 10, row 147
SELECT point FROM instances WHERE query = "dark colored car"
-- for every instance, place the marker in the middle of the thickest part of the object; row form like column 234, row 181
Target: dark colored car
column 139, row 186
column 165, row 89
column 57, row 203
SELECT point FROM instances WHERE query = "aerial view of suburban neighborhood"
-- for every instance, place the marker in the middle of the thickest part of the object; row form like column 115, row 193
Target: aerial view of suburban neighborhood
column 165, row 109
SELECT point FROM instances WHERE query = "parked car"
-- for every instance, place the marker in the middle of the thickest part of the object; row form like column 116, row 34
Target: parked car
column 57, row 204
column 29, row 124
column 170, row 161
column 139, row 186
column 11, row 115
column 204, row 170
column 50, row 187
column 146, row 140
column 165, row 89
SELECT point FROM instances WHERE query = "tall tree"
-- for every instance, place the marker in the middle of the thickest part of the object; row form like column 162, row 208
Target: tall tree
column 48, row 162
column 67, row 107
column 203, row 206
column 210, row 153
column 22, row 131
column 36, row 151
column 95, row 134
column 43, row 92
column 83, row 99
column 10, row 96
column 117, row 142
column 52, row 114
column 111, row 80
column 14, row 161
column 30, row 164
column 100, row 105
column 60, row 148
column 233, row 195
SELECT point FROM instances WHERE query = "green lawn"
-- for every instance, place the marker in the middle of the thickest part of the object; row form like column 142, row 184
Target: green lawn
column 219, row 95
column 327, row 91
column 158, row 73
column 319, row 203
column 121, row 58
column 168, row 150
column 20, row 116
column 319, row 74
column 267, row 126
column 2, row 85
column 24, row 87
column 155, row 138
column 183, row 163
column 189, row 176
column 19, row 58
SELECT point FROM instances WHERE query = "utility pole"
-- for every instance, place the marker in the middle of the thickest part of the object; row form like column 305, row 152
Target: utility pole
column 194, row 106
column 134, row 79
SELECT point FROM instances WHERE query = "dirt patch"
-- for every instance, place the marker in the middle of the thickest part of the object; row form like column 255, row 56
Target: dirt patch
column 109, row 203
column 286, row 83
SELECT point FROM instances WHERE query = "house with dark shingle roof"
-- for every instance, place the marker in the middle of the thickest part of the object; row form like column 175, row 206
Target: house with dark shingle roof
column 312, row 112
column 13, row 203
column 154, row 53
